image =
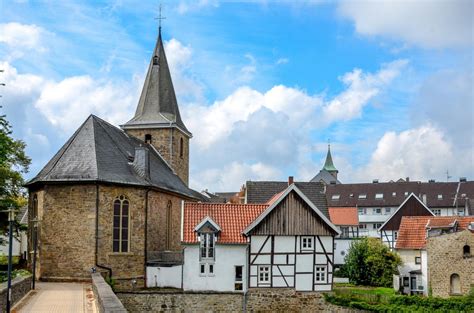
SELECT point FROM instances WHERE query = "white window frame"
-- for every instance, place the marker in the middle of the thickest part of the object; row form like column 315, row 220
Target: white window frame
column 379, row 196
column 207, row 241
column 201, row 267
column 335, row 197
column 378, row 211
column 265, row 271
column 394, row 194
column 440, row 197
column 418, row 260
column 362, row 196
column 307, row 243
column 320, row 274
column 437, row 212
column 388, row 210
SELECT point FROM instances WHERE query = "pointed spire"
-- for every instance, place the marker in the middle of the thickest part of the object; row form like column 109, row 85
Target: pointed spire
column 329, row 165
column 157, row 106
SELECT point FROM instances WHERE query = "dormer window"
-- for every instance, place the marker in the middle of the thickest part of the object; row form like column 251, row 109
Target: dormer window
column 379, row 196
column 335, row 197
column 363, row 196
column 207, row 232
column 440, row 197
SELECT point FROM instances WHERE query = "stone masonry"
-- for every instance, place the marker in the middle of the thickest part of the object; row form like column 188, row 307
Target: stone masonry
column 257, row 300
column 67, row 231
column 445, row 257
column 20, row 287
column 160, row 139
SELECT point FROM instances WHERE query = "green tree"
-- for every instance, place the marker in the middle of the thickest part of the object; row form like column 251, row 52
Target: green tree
column 13, row 164
column 371, row 263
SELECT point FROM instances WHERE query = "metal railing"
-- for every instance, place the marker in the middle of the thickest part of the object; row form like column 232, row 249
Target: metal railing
column 165, row 257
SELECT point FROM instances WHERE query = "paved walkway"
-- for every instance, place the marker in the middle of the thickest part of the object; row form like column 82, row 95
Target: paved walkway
column 58, row 297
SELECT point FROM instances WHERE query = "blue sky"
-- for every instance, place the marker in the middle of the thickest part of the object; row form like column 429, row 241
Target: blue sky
column 262, row 85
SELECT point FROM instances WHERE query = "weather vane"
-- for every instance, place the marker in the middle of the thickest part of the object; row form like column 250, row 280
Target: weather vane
column 159, row 18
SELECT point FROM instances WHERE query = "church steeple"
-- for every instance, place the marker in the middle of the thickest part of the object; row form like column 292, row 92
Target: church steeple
column 157, row 120
column 158, row 107
column 329, row 165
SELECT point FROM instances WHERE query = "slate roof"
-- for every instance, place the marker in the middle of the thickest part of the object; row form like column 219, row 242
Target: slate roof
column 263, row 191
column 348, row 193
column 344, row 216
column 157, row 106
column 100, row 152
column 326, row 177
column 412, row 234
column 231, row 218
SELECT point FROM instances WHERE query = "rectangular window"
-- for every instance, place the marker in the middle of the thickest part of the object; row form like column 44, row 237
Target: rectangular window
column 394, row 194
column 363, row 196
column 388, row 210
column 239, row 273
column 362, row 226
column 362, row 211
column 264, row 274
column 417, row 260
column 406, row 282
column 437, row 212
column 335, row 197
column 379, row 196
column 378, row 211
column 211, row 268
column 202, row 269
column 376, row 225
column 440, row 197
column 461, row 212
column 206, row 245
column 406, row 193
column 320, row 274
column 306, row 243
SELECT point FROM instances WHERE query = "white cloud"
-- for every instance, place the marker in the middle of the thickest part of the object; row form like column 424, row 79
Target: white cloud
column 420, row 152
column 431, row 24
column 282, row 61
column 68, row 102
column 188, row 6
column 361, row 87
column 21, row 35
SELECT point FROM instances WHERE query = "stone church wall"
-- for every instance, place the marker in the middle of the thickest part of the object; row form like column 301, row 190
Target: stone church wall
column 445, row 257
column 161, row 141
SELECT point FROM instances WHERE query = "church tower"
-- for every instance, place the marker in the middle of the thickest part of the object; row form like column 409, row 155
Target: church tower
column 157, row 120
column 329, row 165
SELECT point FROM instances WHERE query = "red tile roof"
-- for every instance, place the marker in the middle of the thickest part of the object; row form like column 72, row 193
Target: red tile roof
column 344, row 216
column 231, row 218
column 412, row 234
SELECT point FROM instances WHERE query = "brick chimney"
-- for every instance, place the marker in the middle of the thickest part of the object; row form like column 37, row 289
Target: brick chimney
column 290, row 180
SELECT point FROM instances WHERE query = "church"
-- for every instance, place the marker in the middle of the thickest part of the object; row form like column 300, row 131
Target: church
column 111, row 198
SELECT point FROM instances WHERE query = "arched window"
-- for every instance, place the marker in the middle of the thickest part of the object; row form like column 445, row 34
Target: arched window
column 466, row 251
column 35, row 207
column 148, row 138
column 121, row 231
column 455, row 284
column 181, row 147
column 168, row 224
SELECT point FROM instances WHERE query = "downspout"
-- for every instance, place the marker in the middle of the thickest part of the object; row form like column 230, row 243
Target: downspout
column 146, row 236
column 182, row 271
column 247, row 281
column 97, row 233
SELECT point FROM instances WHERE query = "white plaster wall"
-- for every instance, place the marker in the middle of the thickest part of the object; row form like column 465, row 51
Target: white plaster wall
column 164, row 276
column 408, row 259
column 16, row 249
column 424, row 271
column 223, row 279
column 341, row 249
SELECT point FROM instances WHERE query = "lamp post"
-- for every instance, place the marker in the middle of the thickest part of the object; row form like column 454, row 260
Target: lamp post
column 11, row 219
column 35, row 247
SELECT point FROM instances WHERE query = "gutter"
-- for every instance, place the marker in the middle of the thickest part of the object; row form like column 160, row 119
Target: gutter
column 97, row 233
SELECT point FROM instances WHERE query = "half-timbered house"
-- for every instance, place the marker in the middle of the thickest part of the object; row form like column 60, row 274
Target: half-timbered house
column 291, row 245
column 412, row 206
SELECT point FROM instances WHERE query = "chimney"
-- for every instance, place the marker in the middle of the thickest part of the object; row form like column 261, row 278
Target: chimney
column 431, row 181
column 424, row 198
column 290, row 180
column 407, row 179
column 462, row 179
column 375, row 181
column 141, row 162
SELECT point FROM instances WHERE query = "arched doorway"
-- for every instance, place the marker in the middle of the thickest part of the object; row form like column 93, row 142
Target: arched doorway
column 455, row 284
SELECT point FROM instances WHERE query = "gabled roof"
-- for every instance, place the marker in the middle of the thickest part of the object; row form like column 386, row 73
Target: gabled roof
column 100, row 152
column 208, row 220
column 157, row 106
column 263, row 191
column 415, row 213
column 231, row 218
column 412, row 233
column 344, row 216
column 282, row 196
column 394, row 193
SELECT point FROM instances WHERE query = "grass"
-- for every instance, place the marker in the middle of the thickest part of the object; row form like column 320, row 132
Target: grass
column 15, row 273
column 343, row 288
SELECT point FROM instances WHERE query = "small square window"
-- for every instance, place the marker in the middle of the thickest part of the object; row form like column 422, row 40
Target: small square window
column 351, row 195
column 394, row 194
column 335, row 197
column 440, row 197
column 306, row 243
column 417, row 260
column 363, row 196
column 264, row 274
column 388, row 210
column 361, row 211
column 406, row 193
column 437, row 212
column 320, row 274
column 379, row 196
column 378, row 211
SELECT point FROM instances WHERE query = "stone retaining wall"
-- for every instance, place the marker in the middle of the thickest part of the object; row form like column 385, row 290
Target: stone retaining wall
column 257, row 300
column 20, row 287
column 107, row 301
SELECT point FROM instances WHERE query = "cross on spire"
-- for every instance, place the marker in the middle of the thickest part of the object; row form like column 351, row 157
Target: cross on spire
column 160, row 18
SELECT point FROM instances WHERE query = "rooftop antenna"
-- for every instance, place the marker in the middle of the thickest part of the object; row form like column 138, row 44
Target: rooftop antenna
column 160, row 18
column 447, row 176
